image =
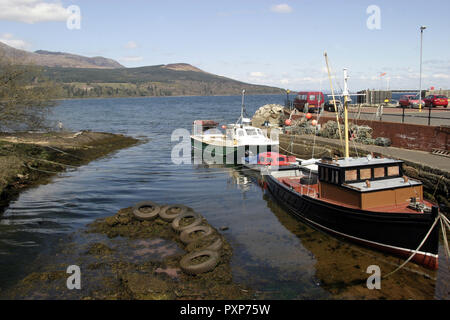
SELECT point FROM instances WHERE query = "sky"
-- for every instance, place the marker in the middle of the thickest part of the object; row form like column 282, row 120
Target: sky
column 278, row 43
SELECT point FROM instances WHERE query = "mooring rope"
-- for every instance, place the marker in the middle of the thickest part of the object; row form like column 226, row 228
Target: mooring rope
column 437, row 184
column 415, row 251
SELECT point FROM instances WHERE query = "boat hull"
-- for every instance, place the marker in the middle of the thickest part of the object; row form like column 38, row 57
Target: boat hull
column 235, row 152
column 397, row 233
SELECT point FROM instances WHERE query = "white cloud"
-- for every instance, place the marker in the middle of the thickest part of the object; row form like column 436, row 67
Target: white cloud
column 32, row 11
column 281, row 8
column 8, row 39
column 257, row 74
column 131, row 45
column 131, row 59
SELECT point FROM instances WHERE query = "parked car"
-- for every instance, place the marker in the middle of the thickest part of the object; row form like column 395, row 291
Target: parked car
column 409, row 100
column 436, row 100
column 310, row 101
column 329, row 105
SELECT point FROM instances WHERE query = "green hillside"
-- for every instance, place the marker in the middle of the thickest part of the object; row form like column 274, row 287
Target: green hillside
column 157, row 80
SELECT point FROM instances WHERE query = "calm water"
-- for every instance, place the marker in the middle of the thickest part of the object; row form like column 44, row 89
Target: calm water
column 269, row 252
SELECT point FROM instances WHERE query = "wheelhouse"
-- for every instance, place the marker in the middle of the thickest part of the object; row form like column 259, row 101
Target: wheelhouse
column 367, row 183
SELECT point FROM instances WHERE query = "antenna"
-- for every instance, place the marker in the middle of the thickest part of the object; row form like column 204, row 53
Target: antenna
column 241, row 118
column 346, row 95
column 243, row 105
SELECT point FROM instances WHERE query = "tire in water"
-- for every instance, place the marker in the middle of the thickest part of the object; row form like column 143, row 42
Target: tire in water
column 146, row 210
column 189, row 267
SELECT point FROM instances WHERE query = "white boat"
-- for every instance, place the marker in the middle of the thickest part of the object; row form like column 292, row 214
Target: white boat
column 239, row 138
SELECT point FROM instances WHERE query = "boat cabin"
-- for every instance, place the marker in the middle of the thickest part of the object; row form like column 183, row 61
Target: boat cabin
column 200, row 126
column 366, row 183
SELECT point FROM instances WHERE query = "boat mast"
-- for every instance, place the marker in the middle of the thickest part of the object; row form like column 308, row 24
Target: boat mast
column 241, row 119
column 243, row 106
column 346, row 95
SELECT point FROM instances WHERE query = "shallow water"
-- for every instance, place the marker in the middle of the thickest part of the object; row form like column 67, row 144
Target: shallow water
column 273, row 253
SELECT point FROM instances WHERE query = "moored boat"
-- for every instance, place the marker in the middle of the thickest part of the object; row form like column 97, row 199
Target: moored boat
column 239, row 138
column 269, row 160
column 366, row 200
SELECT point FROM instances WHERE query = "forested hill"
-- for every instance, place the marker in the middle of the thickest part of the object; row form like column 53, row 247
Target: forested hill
column 77, row 76
column 160, row 80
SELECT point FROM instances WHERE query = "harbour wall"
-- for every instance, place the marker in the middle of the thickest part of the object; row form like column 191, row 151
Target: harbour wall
column 406, row 135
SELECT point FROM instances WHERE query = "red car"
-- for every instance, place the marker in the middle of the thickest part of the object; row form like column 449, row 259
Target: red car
column 314, row 100
column 409, row 100
column 436, row 100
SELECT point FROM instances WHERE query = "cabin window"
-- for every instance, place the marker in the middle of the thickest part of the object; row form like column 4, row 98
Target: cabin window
column 365, row 174
column 326, row 174
column 393, row 171
column 240, row 133
column 378, row 172
column 251, row 132
column 351, row 175
column 335, row 176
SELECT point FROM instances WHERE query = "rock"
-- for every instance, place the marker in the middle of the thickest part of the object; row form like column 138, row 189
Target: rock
column 273, row 113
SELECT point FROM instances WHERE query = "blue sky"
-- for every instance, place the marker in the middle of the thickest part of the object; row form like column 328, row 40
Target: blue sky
column 278, row 43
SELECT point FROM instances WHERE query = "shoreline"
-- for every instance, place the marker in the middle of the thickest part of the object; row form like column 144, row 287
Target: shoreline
column 181, row 96
column 31, row 159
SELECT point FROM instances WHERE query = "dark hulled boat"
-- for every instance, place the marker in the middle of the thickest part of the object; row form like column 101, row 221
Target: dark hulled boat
column 366, row 201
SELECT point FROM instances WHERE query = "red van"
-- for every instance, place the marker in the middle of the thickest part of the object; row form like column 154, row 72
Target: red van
column 314, row 100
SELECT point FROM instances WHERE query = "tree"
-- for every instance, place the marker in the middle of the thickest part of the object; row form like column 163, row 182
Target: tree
column 25, row 96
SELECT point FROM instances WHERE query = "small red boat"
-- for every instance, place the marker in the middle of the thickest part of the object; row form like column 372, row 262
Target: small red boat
column 269, row 160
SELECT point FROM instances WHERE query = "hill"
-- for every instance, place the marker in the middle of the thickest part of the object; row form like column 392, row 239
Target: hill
column 82, row 77
column 162, row 80
column 57, row 59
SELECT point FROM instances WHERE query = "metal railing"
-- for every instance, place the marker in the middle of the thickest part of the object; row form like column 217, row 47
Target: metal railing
column 404, row 116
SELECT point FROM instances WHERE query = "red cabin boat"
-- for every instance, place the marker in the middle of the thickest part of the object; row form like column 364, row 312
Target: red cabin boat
column 268, row 159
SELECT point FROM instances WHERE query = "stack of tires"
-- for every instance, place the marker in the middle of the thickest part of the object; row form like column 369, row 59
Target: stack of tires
column 201, row 241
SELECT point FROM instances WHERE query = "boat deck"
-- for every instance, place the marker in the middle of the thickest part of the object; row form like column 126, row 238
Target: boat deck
column 313, row 191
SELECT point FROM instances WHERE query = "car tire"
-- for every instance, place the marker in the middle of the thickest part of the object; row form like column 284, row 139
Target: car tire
column 213, row 242
column 187, row 266
column 167, row 215
column 152, row 213
column 176, row 222
column 186, row 238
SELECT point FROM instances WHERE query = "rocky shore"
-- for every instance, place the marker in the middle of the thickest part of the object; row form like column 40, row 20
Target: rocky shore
column 28, row 159
column 122, row 257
